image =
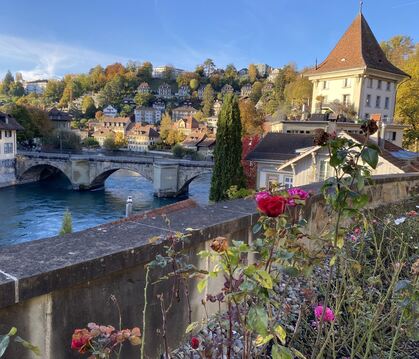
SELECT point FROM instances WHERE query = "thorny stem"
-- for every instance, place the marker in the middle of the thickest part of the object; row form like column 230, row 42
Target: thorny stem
column 147, row 280
column 163, row 313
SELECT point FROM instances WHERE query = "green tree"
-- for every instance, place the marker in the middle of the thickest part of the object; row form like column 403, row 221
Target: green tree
column 168, row 73
column 256, row 93
column 16, row 89
column 145, row 72
column 207, row 100
column 88, row 107
column 228, row 170
column 7, row 82
column 209, row 67
column 253, row 73
column 143, row 99
column 67, row 225
column 193, row 84
column 97, row 78
column 54, row 91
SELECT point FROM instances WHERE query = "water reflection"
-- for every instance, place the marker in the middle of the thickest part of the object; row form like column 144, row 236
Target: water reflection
column 35, row 210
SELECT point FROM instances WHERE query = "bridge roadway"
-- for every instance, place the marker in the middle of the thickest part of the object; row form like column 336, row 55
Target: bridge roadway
column 170, row 177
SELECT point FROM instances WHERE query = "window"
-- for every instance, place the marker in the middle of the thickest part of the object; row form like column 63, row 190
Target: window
column 7, row 134
column 346, row 83
column 324, row 167
column 271, row 179
column 369, row 83
column 387, row 103
column 346, row 99
column 368, row 101
column 388, row 86
column 378, row 102
column 8, row 148
column 367, row 116
column 379, row 84
column 288, row 181
column 324, row 85
column 391, row 136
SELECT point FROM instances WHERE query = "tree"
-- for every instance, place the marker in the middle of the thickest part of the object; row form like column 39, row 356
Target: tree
column 67, row 225
column 256, row 93
column 168, row 73
column 54, row 91
column 249, row 167
column 145, row 72
column 174, row 136
column 193, row 84
column 7, row 81
column 113, row 92
column 97, row 78
column 113, row 70
column 253, row 73
column 143, row 99
column 228, row 170
column 230, row 75
column 62, row 139
column 398, row 49
column 120, row 141
column 88, row 107
column 208, row 100
column 251, row 119
column 16, row 89
column 165, row 126
column 209, row 67
column 185, row 78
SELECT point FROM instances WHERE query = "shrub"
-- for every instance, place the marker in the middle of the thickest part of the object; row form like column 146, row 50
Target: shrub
column 62, row 139
column 178, row 151
column 67, row 225
column 90, row 142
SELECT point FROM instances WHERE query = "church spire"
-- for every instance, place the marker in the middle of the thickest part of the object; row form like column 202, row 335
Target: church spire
column 361, row 4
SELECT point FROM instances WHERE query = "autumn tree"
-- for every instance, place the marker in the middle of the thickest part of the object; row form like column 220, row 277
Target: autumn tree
column 249, row 167
column 165, row 126
column 227, row 170
column 193, row 84
column 145, row 72
column 253, row 73
column 143, row 99
column 256, row 92
column 208, row 100
column 97, row 78
column 251, row 119
column 88, row 107
column 398, row 49
column 185, row 78
column 113, row 70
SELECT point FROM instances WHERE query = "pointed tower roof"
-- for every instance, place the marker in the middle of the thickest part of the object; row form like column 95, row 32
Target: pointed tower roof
column 357, row 48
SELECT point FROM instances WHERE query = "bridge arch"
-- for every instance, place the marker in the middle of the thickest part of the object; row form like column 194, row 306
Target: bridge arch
column 189, row 178
column 41, row 171
column 100, row 179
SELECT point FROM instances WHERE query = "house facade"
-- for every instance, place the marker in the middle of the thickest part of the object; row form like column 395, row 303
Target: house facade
column 164, row 91
column 116, row 124
column 227, row 89
column 8, row 146
column 246, row 90
column 144, row 88
column 38, row 86
column 61, row 120
column 357, row 73
column 110, row 111
column 139, row 137
column 147, row 114
column 186, row 125
column 183, row 112
column 216, row 108
column 183, row 91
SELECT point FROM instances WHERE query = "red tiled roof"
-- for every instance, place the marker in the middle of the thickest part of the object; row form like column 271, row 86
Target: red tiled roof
column 357, row 48
column 9, row 123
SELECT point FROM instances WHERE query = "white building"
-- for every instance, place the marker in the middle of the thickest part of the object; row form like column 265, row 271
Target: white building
column 8, row 145
column 246, row 90
column 147, row 114
column 164, row 91
column 183, row 91
column 139, row 138
column 357, row 73
column 110, row 111
column 37, row 86
column 183, row 112
column 159, row 72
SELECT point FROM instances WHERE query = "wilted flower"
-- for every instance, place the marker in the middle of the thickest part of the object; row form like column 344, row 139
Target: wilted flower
column 80, row 340
column 320, row 137
column 369, row 127
column 219, row 244
column 415, row 267
column 297, row 193
column 329, row 316
column 412, row 214
column 194, row 343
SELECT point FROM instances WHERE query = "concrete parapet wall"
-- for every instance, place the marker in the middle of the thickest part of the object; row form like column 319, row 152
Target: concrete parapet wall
column 51, row 286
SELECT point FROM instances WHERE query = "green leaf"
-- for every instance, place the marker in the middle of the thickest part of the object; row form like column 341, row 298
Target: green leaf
column 280, row 352
column 340, row 242
column 202, row 284
column 280, row 333
column 34, row 349
column 264, row 278
column 258, row 320
column 260, row 340
column 332, row 261
column 370, row 156
column 12, row 332
column 4, row 343
column 257, row 227
column 298, row 354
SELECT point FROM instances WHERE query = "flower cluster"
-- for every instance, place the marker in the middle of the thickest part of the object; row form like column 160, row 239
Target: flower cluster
column 329, row 316
column 102, row 339
column 275, row 205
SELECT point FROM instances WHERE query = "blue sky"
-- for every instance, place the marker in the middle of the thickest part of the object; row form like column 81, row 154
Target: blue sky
column 53, row 37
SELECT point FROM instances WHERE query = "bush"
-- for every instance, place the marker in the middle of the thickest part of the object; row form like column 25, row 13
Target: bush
column 90, row 142
column 178, row 151
column 62, row 139
column 67, row 226
column 234, row 193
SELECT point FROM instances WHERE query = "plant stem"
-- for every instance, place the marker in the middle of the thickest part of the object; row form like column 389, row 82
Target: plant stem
column 147, row 280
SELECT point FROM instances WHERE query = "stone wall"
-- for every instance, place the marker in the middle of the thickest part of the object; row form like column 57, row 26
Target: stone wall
column 7, row 172
column 50, row 287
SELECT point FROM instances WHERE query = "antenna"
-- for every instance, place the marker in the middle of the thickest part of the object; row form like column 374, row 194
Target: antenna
column 361, row 4
column 316, row 63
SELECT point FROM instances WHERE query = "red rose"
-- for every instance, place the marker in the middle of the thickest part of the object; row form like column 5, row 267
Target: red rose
column 195, row 343
column 80, row 340
column 272, row 206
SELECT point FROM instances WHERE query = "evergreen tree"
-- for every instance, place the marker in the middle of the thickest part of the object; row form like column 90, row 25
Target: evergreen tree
column 67, row 226
column 228, row 170
column 7, row 82
column 208, row 100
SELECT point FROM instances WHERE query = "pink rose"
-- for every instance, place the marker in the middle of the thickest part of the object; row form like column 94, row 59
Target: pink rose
column 329, row 316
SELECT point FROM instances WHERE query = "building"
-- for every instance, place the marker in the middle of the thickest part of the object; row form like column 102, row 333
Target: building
column 183, row 112
column 8, row 146
column 186, row 125
column 292, row 160
column 216, row 108
column 243, row 72
column 144, row 88
column 227, row 89
column 116, row 124
column 110, row 111
column 139, row 137
column 102, row 133
column 183, row 91
column 160, row 106
column 147, row 115
column 206, row 147
column 60, row 119
column 193, row 139
column 38, row 86
column 274, row 74
column 392, row 132
column 164, row 91
column 357, row 73
column 201, row 90
column 246, row 90
column 127, row 100
column 160, row 71
column 212, row 124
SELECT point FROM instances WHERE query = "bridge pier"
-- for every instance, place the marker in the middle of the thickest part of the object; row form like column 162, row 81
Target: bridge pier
column 165, row 179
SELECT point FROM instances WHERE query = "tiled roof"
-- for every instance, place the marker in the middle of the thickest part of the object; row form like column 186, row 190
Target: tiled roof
column 56, row 115
column 185, row 108
column 280, row 146
column 9, row 123
column 357, row 48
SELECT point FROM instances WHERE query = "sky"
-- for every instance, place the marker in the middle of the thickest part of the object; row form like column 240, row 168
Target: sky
column 48, row 38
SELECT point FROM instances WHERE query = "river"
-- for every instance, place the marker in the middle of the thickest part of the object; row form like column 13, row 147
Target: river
column 35, row 210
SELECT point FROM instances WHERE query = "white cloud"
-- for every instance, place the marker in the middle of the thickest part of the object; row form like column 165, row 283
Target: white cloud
column 36, row 59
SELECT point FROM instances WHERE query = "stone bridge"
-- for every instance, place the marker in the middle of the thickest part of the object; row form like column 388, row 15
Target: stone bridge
column 170, row 177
